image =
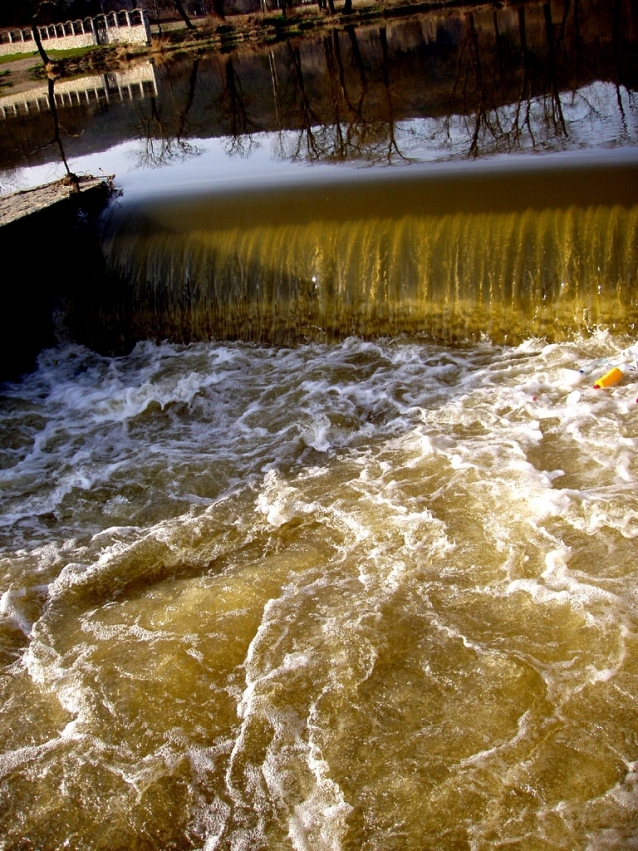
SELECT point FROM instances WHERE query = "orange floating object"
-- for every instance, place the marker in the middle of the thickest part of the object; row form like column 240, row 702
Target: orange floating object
column 612, row 377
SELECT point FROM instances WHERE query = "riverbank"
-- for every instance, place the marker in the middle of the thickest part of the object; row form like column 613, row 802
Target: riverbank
column 213, row 34
column 266, row 28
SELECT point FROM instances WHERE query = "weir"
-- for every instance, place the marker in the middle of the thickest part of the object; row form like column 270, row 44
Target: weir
column 503, row 256
column 372, row 587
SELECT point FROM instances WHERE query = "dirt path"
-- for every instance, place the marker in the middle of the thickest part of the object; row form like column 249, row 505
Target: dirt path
column 20, row 77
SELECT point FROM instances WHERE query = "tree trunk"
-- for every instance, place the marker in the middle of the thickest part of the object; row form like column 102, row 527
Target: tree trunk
column 38, row 43
column 182, row 11
column 71, row 179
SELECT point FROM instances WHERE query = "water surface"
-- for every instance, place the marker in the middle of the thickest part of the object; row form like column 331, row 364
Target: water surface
column 315, row 533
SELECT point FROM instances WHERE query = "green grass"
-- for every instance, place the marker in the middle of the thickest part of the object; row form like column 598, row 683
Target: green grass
column 13, row 57
column 52, row 54
column 70, row 54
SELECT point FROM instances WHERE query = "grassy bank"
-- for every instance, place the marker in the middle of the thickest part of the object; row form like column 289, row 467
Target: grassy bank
column 253, row 31
column 248, row 32
column 16, row 57
column 263, row 29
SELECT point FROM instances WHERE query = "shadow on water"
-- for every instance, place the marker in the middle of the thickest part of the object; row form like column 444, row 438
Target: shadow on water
column 66, row 245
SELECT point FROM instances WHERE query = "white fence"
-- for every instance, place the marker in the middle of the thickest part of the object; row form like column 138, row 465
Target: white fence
column 133, row 84
column 115, row 28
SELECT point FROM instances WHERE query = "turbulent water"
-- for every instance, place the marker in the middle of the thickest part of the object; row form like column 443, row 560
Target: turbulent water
column 315, row 534
column 351, row 596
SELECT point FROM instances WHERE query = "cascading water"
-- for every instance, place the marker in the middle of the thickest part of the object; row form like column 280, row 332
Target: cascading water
column 341, row 594
column 502, row 256
column 315, row 533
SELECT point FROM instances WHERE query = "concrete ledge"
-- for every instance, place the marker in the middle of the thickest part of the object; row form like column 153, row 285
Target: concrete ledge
column 26, row 202
column 54, row 233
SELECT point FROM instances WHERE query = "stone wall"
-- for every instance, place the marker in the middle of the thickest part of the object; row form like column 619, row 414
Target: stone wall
column 114, row 28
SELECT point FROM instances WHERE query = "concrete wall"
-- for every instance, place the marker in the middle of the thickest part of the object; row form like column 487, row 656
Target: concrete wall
column 134, row 83
column 114, row 28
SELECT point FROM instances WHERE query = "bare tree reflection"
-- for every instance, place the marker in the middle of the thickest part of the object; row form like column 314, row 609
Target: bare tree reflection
column 469, row 83
column 307, row 145
column 392, row 151
column 161, row 145
column 494, row 120
column 333, row 124
column 522, row 113
column 554, row 110
column 165, row 138
column 620, row 75
column 233, row 107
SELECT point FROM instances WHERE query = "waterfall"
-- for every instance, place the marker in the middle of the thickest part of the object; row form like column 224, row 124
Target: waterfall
column 456, row 260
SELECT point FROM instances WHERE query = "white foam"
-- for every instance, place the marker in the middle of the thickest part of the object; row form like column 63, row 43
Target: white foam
column 416, row 481
column 280, row 502
column 11, row 760
column 11, row 610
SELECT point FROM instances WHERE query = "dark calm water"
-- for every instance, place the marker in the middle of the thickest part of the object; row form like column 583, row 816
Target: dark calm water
column 314, row 530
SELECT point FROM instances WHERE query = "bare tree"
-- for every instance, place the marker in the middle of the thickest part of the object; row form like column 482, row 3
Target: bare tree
column 38, row 9
column 183, row 14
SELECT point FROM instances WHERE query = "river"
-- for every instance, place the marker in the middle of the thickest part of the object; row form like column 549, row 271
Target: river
column 316, row 533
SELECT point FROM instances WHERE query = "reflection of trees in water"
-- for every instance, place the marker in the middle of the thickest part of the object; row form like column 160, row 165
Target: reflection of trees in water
column 233, row 106
column 623, row 70
column 307, row 144
column 554, row 107
column 436, row 86
column 392, row 145
column 481, row 87
column 334, row 123
column 164, row 139
column 502, row 84
column 160, row 145
column 485, row 81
